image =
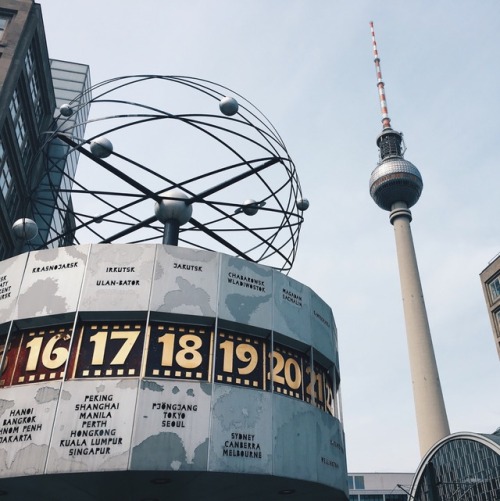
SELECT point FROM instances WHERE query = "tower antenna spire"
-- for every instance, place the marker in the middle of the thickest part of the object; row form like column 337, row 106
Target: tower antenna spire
column 386, row 121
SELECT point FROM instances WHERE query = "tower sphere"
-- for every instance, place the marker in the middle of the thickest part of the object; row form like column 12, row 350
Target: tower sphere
column 25, row 229
column 176, row 210
column 395, row 180
column 101, row 147
column 228, row 106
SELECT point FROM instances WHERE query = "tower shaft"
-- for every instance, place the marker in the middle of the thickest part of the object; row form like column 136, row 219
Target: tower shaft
column 432, row 421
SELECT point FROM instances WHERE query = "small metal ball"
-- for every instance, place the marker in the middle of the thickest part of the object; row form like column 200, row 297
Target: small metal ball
column 176, row 210
column 250, row 207
column 25, row 229
column 228, row 106
column 101, row 147
column 303, row 204
column 66, row 110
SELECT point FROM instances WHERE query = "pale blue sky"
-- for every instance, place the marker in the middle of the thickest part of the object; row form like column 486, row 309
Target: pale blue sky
column 308, row 65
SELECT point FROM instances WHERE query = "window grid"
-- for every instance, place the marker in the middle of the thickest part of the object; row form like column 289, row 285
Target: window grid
column 463, row 469
column 494, row 286
column 19, row 124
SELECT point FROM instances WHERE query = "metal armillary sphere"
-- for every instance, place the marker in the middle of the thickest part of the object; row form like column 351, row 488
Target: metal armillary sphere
column 151, row 138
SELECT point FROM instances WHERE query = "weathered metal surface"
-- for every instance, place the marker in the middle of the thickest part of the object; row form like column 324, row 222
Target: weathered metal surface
column 292, row 302
column 294, row 439
column 26, row 420
column 241, row 433
column 11, row 274
column 118, row 278
column 245, row 293
column 52, row 282
column 172, row 426
column 324, row 332
column 93, row 426
column 185, row 282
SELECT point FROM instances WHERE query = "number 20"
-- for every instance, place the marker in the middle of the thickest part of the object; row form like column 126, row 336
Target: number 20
column 290, row 378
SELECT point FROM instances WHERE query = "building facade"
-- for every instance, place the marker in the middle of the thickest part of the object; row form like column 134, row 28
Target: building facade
column 31, row 88
column 490, row 278
column 52, row 197
column 379, row 486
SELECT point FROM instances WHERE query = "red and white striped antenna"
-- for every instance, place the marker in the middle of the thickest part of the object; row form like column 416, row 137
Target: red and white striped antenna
column 386, row 121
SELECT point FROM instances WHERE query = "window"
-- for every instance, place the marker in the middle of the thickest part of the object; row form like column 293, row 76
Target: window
column 497, row 316
column 371, row 497
column 20, row 133
column 5, row 179
column 35, row 96
column 14, row 106
column 359, row 482
column 4, row 21
column 495, row 289
column 34, row 88
column 13, row 205
column 28, row 61
column 396, row 497
column 19, row 124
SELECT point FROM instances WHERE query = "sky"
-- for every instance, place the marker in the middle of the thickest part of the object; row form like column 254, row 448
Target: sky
column 308, row 66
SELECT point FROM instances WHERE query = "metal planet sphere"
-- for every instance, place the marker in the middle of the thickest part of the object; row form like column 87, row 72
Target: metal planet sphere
column 173, row 209
column 25, row 229
column 66, row 110
column 395, row 180
column 101, row 147
column 303, row 204
column 250, row 207
column 228, row 106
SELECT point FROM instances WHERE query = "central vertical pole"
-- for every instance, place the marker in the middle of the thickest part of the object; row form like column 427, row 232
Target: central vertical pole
column 171, row 232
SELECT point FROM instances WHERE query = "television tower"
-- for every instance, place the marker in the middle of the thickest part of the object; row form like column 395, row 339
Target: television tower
column 395, row 186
